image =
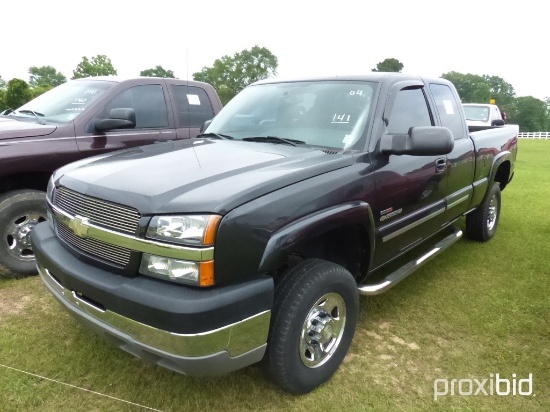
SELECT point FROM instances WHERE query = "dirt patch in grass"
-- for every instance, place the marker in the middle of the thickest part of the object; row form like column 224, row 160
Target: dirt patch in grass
column 14, row 302
column 394, row 363
column 24, row 296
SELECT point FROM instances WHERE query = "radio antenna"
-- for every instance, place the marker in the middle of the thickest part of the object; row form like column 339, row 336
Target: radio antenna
column 186, row 66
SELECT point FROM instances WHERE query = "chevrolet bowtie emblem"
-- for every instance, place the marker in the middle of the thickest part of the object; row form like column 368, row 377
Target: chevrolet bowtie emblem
column 79, row 225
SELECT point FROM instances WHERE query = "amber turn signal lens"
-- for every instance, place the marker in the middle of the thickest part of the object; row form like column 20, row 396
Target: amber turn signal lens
column 206, row 273
column 211, row 228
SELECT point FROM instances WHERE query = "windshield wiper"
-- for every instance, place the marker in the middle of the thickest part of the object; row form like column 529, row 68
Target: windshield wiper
column 216, row 136
column 35, row 114
column 273, row 139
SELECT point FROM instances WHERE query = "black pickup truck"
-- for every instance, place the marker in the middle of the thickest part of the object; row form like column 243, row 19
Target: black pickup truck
column 254, row 241
column 78, row 119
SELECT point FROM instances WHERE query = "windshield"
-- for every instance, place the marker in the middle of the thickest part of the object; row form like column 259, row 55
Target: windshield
column 64, row 103
column 479, row 113
column 319, row 113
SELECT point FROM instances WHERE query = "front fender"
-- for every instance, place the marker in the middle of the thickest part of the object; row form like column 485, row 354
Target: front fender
column 308, row 227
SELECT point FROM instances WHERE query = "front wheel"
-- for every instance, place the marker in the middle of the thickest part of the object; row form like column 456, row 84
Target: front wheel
column 481, row 224
column 312, row 326
column 20, row 211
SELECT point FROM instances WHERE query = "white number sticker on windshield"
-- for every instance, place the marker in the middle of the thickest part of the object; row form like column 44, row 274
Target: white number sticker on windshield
column 90, row 91
column 358, row 92
column 340, row 118
column 80, row 100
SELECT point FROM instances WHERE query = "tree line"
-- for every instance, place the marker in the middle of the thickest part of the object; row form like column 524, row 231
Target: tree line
column 230, row 74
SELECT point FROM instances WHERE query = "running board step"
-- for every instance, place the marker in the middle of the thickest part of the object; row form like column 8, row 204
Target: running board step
column 404, row 271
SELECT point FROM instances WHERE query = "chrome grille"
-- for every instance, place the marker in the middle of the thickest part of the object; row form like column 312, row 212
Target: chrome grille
column 110, row 215
column 96, row 248
column 101, row 213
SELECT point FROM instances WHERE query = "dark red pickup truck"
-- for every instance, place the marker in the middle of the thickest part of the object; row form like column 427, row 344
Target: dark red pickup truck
column 79, row 119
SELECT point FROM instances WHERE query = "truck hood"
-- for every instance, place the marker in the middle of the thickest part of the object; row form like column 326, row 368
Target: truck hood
column 208, row 176
column 11, row 128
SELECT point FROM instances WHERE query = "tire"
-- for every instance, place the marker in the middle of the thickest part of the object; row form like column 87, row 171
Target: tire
column 20, row 211
column 312, row 326
column 482, row 223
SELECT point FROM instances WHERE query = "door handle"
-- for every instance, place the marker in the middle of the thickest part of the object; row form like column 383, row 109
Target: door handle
column 440, row 165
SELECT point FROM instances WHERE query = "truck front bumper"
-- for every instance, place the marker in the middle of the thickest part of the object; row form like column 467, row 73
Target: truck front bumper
column 211, row 351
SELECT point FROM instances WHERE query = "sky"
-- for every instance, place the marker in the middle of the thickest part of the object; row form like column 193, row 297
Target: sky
column 309, row 38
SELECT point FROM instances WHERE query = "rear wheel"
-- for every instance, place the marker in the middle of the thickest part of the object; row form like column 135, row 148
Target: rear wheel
column 481, row 224
column 312, row 326
column 20, row 211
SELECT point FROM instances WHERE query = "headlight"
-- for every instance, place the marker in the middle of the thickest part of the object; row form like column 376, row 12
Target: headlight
column 194, row 273
column 190, row 230
column 194, row 230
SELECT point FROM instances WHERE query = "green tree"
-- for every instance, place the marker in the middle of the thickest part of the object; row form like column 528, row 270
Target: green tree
column 502, row 92
column 99, row 65
column 229, row 75
column 158, row 71
column 531, row 114
column 17, row 94
column 389, row 65
column 37, row 91
column 45, row 76
column 2, row 93
column 471, row 87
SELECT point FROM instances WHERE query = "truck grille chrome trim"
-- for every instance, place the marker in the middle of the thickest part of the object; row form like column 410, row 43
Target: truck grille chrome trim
column 96, row 248
column 237, row 338
column 110, row 215
column 87, row 230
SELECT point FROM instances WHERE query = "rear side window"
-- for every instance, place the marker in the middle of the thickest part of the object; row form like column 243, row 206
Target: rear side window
column 409, row 110
column 148, row 103
column 448, row 109
column 192, row 105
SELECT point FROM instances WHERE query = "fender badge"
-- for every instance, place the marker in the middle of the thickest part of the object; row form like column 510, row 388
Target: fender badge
column 389, row 213
column 80, row 225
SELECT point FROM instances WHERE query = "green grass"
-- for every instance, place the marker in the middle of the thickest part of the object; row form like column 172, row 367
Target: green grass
column 476, row 310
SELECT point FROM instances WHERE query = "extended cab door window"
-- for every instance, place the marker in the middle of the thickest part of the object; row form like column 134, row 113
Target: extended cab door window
column 448, row 110
column 460, row 162
column 193, row 108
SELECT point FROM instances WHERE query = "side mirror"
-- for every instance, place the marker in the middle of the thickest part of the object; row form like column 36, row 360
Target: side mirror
column 420, row 141
column 121, row 118
column 497, row 122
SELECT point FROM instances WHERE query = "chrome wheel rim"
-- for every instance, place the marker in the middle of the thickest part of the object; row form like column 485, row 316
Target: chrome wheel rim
column 18, row 235
column 322, row 330
column 492, row 215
